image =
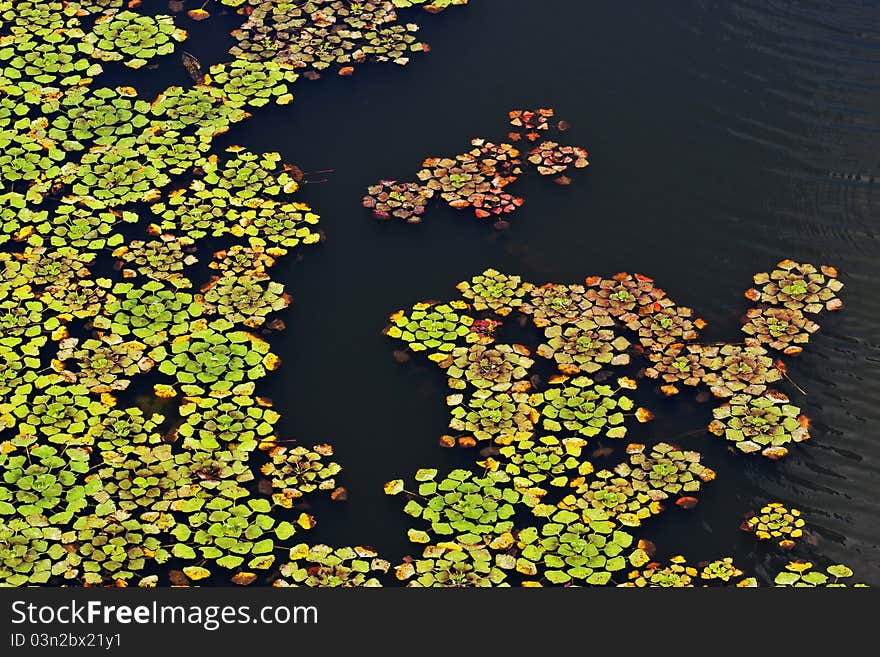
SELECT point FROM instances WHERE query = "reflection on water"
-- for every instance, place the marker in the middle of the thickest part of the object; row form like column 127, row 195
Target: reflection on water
column 723, row 137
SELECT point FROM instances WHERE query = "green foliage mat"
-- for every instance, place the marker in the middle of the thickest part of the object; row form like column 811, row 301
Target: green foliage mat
column 94, row 489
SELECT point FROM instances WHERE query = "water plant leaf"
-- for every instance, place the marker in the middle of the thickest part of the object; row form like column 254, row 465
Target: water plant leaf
column 195, row 573
column 394, row 487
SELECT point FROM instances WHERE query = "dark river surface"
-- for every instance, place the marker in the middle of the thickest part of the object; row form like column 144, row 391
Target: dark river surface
column 724, row 136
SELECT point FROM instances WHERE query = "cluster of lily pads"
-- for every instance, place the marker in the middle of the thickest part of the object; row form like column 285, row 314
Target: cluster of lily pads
column 678, row 573
column 766, row 423
column 776, row 522
column 802, row 574
column 323, row 566
column 596, row 326
column 132, row 38
column 581, row 535
column 317, row 35
column 478, row 178
column 475, row 522
column 94, row 489
column 757, row 418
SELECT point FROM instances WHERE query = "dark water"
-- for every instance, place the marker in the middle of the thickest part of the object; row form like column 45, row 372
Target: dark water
column 723, row 137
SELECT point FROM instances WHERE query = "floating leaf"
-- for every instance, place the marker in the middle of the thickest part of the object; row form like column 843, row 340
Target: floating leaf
column 196, row 573
column 198, row 14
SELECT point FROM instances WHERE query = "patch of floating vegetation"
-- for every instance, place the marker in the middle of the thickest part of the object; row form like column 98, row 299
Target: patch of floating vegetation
column 96, row 490
column 132, row 38
column 801, row 574
column 592, row 329
column 323, row 566
column 452, row 565
column 318, row 35
column 478, row 178
column 679, row 574
column 534, row 510
column 765, row 422
column 776, row 522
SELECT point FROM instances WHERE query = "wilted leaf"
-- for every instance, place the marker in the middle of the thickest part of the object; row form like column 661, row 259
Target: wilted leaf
column 394, row 487
column 243, row 578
